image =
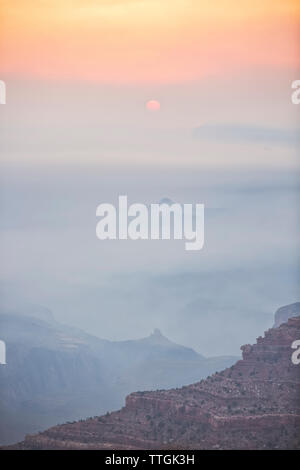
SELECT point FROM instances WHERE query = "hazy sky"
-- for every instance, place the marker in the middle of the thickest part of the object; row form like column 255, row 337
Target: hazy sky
column 79, row 73
column 75, row 132
column 130, row 41
column 213, row 300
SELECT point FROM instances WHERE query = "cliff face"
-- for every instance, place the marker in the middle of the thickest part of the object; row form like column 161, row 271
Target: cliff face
column 254, row 404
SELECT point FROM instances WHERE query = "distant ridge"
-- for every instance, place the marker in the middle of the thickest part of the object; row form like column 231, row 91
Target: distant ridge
column 254, row 404
column 284, row 313
column 57, row 373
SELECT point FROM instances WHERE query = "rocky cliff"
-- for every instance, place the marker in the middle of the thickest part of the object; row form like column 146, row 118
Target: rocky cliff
column 255, row 404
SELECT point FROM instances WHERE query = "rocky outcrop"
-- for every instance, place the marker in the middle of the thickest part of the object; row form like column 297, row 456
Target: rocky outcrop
column 284, row 313
column 252, row 405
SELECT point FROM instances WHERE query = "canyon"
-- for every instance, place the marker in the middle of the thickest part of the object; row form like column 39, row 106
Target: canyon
column 56, row 373
column 254, row 404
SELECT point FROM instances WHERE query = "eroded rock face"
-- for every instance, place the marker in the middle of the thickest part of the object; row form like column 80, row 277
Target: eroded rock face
column 284, row 313
column 254, row 404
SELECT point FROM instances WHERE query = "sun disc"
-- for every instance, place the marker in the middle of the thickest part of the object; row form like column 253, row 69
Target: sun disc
column 153, row 105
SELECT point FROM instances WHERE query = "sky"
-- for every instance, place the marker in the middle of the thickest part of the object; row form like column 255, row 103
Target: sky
column 76, row 131
column 134, row 41
column 213, row 300
column 79, row 74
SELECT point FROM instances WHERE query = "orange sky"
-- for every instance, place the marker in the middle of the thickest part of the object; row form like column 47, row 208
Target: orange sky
column 146, row 40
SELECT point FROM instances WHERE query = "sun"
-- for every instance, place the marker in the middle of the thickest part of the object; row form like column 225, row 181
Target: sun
column 153, row 105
